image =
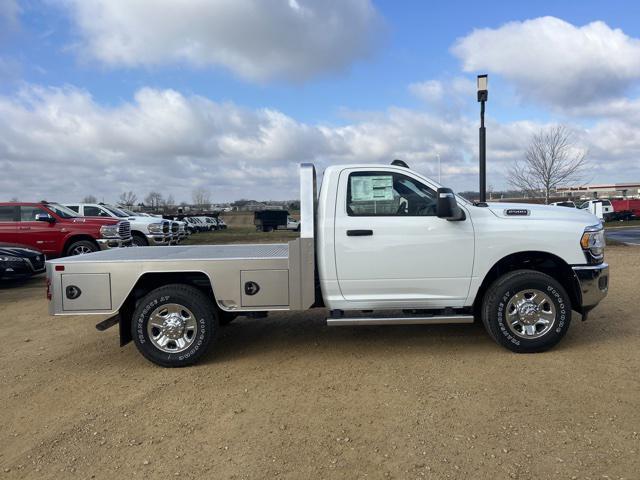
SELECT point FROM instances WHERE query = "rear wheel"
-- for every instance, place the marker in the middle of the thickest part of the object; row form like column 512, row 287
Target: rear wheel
column 174, row 325
column 81, row 247
column 526, row 311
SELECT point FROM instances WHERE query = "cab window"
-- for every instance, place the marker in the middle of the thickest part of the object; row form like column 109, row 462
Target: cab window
column 94, row 212
column 28, row 214
column 388, row 194
column 7, row 214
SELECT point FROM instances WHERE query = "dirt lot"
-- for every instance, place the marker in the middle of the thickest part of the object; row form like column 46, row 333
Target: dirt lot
column 288, row 397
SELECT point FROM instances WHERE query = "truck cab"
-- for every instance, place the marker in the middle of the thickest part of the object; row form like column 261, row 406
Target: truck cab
column 380, row 244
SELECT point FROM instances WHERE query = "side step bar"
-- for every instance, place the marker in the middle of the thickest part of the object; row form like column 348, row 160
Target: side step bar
column 432, row 320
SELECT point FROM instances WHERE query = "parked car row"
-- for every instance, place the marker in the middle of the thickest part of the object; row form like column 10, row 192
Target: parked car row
column 204, row 224
column 145, row 230
column 32, row 232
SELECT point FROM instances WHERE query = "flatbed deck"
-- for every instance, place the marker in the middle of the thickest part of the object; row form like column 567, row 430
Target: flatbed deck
column 183, row 252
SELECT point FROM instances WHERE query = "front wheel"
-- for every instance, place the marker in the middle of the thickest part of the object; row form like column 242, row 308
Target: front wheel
column 81, row 247
column 526, row 311
column 174, row 325
column 139, row 240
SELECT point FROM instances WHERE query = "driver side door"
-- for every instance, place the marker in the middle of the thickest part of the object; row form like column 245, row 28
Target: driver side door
column 390, row 247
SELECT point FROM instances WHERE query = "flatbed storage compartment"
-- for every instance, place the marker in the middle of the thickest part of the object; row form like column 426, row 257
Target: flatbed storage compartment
column 264, row 288
column 83, row 292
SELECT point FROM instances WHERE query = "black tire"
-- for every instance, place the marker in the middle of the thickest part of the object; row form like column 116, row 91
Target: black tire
column 81, row 247
column 194, row 301
column 138, row 240
column 504, row 289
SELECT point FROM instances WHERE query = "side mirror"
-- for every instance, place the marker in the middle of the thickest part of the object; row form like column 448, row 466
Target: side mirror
column 45, row 217
column 448, row 206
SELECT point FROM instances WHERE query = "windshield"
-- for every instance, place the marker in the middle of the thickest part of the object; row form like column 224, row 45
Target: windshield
column 61, row 211
column 128, row 212
column 115, row 211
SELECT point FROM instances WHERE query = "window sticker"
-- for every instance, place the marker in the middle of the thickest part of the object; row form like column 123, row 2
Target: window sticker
column 371, row 188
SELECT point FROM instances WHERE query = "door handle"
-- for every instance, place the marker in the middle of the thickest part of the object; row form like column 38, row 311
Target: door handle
column 359, row 233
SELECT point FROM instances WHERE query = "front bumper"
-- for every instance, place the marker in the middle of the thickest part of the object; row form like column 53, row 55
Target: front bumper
column 159, row 239
column 20, row 269
column 108, row 243
column 593, row 282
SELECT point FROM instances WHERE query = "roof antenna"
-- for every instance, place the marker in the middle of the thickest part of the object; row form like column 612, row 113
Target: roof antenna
column 399, row 163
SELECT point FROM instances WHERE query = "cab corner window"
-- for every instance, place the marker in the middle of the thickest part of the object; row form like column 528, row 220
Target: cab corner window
column 388, row 194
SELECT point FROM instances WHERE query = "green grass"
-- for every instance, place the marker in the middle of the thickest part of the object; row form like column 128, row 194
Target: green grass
column 630, row 223
column 239, row 235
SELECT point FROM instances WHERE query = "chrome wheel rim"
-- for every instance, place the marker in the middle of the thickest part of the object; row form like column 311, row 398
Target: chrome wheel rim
column 530, row 314
column 172, row 328
column 81, row 250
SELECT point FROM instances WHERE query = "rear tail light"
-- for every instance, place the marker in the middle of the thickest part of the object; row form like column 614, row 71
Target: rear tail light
column 48, row 289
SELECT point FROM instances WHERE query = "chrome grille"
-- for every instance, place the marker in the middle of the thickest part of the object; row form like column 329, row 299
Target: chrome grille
column 124, row 229
column 165, row 226
column 175, row 227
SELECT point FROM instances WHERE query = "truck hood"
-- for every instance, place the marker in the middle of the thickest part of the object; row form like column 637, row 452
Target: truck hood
column 524, row 211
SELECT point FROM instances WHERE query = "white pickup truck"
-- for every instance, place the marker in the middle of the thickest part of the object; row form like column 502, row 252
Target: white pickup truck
column 145, row 231
column 380, row 245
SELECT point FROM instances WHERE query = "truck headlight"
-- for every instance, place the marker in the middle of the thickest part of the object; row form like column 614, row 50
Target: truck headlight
column 109, row 231
column 155, row 228
column 593, row 242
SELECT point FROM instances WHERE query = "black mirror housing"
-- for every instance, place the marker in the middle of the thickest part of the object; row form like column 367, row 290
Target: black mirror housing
column 447, row 206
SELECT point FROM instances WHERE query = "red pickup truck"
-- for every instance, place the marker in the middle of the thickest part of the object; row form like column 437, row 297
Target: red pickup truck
column 58, row 231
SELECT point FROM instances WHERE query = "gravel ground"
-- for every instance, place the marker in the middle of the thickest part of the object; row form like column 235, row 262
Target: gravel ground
column 288, row 397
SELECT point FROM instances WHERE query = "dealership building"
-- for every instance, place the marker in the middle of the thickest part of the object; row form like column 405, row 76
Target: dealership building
column 603, row 190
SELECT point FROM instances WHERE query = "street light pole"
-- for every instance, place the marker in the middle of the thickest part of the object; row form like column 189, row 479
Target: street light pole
column 483, row 94
column 439, row 175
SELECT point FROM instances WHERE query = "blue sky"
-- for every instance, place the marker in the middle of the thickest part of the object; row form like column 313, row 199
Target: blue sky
column 364, row 87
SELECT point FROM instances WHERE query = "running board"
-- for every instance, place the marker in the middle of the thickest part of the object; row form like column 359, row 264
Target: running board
column 432, row 320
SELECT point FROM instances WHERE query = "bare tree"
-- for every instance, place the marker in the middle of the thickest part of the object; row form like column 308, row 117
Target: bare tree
column 201, row 197
column 128, row 199
column 169, row 202
column 550, row 161
column 89, row 199
column 154, row 200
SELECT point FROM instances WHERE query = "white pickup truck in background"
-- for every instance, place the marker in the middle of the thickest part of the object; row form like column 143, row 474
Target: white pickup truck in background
column 145, row 231
column 379, row 245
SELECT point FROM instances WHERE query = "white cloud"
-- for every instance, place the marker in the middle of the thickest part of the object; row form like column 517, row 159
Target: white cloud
column 430, row 91
column 9, row 13
column 256, row 39
column 553, row 61
column 60, row 144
